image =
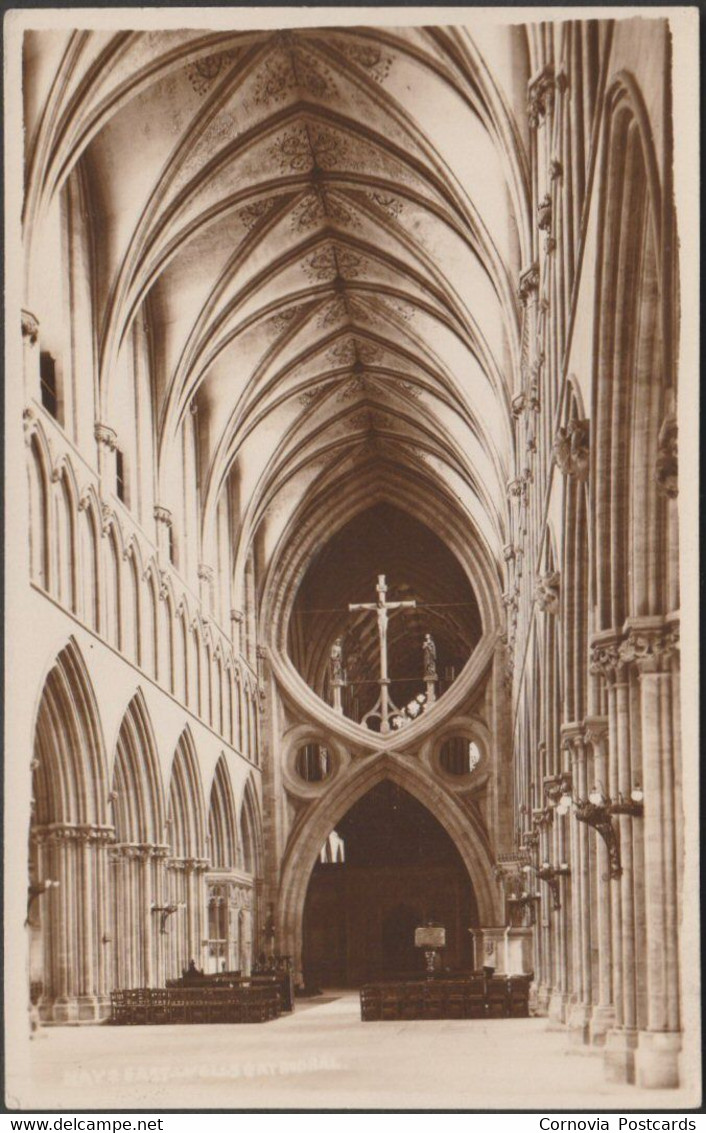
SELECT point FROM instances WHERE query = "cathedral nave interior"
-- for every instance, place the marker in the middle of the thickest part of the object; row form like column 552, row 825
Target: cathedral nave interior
column 346, row 586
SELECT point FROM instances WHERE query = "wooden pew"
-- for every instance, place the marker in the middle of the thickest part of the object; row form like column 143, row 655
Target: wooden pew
column 194, row 1004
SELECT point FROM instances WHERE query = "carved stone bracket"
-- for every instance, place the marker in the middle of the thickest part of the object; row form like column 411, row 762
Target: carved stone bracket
column 546, row 592
column 550, row 875
column 162, row 515
column 205, row 572
column 667, row 463
column 571, row 449
column 599, row 818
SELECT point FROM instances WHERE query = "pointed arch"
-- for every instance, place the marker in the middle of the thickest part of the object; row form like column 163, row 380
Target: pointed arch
column 39, row 515
column 251, row 830
column 222, row 820
column 312, row 831
column 70, row 764
column 65, row 506
column 68, row 843
column 137, row 792
column 112, row 605
column 186, row 806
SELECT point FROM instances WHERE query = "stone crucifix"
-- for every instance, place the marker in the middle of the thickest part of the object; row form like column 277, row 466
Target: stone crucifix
column 384, row 709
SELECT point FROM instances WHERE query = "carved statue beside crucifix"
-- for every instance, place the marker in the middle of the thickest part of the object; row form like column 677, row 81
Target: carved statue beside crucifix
column 338, row 677
column 336, row 661
column 429, row 651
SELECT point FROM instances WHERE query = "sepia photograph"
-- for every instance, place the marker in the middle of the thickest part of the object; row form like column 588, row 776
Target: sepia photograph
column 351, row 508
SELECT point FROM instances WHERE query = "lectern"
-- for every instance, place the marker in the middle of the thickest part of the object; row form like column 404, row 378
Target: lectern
column 432, row 938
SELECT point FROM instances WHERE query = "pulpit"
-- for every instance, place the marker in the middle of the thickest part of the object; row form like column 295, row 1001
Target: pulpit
column 503, row 948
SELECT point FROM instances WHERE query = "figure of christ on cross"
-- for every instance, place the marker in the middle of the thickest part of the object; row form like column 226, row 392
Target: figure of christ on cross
column 383, row 709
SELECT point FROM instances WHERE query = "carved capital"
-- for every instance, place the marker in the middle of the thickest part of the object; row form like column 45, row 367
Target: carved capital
column 30, row 327
column 546, row 592
column 667, row 463
column 162, row 515
column 237, row 616
column 649, row 647
column 555, row 169
column 605, row 660
column 205, row 572
column 596, row 731
column 105, row 436
column 556, row 786
column 572, row 449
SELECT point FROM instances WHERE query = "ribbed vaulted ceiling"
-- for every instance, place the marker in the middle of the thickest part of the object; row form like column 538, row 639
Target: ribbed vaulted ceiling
column 324, row 228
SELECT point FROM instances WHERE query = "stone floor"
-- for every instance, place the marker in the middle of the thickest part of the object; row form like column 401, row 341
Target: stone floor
column 323, row 1057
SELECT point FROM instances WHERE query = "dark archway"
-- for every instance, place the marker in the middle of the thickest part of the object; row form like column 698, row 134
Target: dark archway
column 400, row 869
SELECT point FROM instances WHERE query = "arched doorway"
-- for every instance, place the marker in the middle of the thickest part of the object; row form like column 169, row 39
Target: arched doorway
column 399, row 869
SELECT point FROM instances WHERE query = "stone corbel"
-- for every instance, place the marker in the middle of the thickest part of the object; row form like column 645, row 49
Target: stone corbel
column 571, row 449
column 667, row 463
column 30, row 327
column 546, row 592
column 544, row 213
column 529, row 283
column 540, row 95
column 163, row 515
column 106, row 436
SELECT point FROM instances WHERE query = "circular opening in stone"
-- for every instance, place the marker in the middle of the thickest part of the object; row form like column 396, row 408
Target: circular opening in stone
column 459, row 756
column 313, row 763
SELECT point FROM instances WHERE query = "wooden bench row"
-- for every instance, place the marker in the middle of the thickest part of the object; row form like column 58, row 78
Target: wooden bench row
column 140, row 1006
column 470, row 997
column 282, row 981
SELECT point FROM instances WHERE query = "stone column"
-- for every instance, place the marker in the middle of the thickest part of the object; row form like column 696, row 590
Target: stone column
column 581, row 890
column 621, row 1040
column 650, row 646
column 603, row 1014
